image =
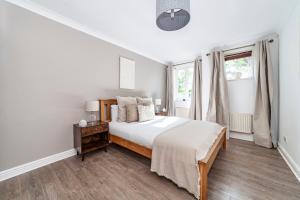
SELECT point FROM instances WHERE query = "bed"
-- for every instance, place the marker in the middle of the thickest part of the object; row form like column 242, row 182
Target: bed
column 128, row 135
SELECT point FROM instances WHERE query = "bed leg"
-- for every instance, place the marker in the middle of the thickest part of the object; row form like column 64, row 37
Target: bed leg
column 224, row 145
column 203, row 180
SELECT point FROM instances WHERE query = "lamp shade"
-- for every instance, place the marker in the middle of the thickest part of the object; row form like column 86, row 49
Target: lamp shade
column 158, row 102
column 92, row 106
column 172, row 15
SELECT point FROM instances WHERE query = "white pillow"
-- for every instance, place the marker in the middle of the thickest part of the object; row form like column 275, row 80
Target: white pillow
column 146, row 112
column 145, row 100
column 114, row 112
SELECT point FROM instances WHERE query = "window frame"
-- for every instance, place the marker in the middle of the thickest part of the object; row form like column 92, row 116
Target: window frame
column 181, row 101
column 239, row 55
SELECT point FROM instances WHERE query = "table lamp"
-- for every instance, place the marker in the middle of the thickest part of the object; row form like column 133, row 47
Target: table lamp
column 157, row 105
column 92, row 107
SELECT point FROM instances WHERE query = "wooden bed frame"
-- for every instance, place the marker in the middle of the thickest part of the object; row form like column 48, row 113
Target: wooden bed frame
column 204, row 164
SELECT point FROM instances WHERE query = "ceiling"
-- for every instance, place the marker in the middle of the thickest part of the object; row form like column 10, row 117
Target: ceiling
column 131, row 23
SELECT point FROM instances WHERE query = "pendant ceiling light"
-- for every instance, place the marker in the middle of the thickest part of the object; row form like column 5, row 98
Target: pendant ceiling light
column 172, row 15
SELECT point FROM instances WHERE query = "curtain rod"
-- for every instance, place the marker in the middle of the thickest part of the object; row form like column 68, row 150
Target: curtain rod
column 184, row 63
column 251, row 45
column 198, row 58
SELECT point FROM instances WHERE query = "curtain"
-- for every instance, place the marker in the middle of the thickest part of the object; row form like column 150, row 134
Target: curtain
column 170, row 91
column 265, row 120
column 196, row 99
column 218, row 107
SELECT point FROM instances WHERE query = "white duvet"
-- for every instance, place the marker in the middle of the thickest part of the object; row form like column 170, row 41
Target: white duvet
column 144, row 133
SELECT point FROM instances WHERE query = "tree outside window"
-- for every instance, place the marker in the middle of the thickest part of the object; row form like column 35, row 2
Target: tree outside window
column 240, row 68
column 184, row 82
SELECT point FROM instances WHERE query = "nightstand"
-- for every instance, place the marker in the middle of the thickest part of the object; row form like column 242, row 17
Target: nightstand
column 162, row 113
column 90, row 138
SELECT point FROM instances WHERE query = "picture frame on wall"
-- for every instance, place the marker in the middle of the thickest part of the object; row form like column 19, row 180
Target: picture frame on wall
column 127, row 73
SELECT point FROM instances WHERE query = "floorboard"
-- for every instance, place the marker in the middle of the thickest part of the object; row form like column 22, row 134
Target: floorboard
column 244, row 171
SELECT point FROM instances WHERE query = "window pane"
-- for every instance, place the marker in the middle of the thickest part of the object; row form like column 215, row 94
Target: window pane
column 189, row 84
column 184, row 83
column 181, row 79
column 239, row 69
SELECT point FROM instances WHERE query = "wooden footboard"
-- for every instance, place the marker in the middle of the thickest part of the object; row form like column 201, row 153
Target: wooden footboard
column 204, row 164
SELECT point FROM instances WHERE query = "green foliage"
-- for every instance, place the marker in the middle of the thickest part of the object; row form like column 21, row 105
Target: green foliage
column 184, row 83
column 240, row 66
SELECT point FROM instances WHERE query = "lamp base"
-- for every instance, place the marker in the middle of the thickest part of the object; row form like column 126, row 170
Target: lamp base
column 157, row 109
column 93, row 118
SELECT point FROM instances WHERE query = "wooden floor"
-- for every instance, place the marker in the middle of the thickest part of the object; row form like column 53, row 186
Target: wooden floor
column 244, row 171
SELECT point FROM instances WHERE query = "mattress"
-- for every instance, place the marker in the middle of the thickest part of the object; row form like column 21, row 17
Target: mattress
column 144, row 133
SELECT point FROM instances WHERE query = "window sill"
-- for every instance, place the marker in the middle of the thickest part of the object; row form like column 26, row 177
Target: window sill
column 182, row 104
column 241, row 79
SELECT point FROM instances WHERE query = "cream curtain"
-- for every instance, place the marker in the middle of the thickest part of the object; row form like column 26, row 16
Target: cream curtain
column 264, row 98
column 170, row 91
column 218, row 108
column 196, row 99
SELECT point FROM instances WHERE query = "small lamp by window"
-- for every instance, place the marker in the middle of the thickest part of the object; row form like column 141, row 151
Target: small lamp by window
column 92, row 106
column 157, row 105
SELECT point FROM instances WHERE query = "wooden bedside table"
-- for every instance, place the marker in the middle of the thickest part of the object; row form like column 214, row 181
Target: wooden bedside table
column 162, row 113
column 90, row 138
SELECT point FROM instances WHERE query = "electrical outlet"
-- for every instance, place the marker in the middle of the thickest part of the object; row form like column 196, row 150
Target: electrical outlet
column 284, row 139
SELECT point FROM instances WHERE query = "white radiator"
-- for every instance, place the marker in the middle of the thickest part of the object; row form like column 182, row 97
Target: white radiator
column 241, row 122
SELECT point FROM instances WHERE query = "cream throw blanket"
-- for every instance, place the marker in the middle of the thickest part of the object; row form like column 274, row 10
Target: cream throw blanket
column 176, row 152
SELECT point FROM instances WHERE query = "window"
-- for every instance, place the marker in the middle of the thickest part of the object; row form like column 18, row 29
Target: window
column 239, row 66
column 183, row 81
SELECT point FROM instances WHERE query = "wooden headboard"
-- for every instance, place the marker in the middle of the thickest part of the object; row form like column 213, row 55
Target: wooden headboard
column 105, row 105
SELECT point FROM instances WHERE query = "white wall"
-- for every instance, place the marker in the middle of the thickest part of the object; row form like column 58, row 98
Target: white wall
column 241, row 96
column 289, row 125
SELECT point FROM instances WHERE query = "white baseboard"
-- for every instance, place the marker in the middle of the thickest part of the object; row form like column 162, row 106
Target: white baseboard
column 242, row 136
column 290, row 161
column 21, row 169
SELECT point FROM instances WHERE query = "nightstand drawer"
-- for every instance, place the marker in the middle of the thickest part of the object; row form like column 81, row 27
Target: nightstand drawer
column 92, row 130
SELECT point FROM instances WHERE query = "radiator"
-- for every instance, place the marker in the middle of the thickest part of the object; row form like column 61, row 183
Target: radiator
column 241, row 122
